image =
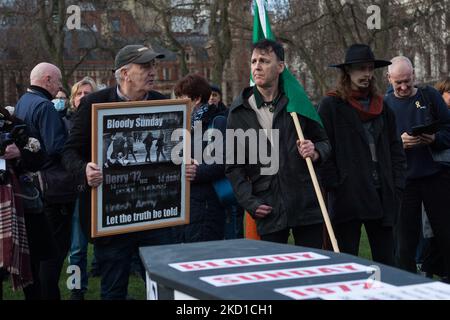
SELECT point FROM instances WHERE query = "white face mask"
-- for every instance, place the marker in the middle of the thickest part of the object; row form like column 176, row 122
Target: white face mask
column 59, row 104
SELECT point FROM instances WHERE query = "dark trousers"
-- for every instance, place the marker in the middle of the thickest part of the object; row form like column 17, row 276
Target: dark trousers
column 234, row 222
column 34, row 291
column 207, row 221
column 115, row 256
column 42, row 248
column 306, row 236
column 130, row 151
column 434, row 192
column 148, row 155
column 381, row 239
column 60, row 219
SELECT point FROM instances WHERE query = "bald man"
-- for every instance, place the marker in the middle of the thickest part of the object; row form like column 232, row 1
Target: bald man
column 36, row 109
column 428, row 181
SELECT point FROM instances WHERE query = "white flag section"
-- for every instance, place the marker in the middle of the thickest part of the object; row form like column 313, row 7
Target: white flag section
column 261, row 20
column 233, row 279
column 262, row 15
column 246, row 261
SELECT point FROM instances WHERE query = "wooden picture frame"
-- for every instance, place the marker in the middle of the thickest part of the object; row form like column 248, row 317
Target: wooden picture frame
column 144, row 184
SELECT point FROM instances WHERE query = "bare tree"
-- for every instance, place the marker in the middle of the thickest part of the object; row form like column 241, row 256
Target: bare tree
column 45, row 21
column 51, row 18
column 177, row 20
column 220, row 34
column 317, row 34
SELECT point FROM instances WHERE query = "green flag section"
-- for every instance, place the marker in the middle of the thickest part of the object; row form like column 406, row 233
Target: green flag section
column 261, row 29
column 298, row 99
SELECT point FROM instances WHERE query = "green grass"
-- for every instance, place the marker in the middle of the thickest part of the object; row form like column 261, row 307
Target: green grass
column 364, row 247
column 136, row 286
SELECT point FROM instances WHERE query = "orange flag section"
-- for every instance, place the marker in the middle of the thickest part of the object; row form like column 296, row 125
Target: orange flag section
column 250, row 228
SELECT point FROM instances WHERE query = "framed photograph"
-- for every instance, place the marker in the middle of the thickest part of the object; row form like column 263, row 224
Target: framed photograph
column 140, row 148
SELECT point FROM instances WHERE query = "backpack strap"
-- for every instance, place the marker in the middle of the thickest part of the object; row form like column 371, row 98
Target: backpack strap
column 222, row 187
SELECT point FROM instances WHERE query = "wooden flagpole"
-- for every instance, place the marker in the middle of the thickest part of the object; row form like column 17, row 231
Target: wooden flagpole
column 319, row 195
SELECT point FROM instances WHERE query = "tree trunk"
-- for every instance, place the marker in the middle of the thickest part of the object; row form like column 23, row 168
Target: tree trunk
column 221, row 34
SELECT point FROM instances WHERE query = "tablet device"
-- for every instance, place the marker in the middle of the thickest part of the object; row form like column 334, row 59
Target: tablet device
column 427, row 129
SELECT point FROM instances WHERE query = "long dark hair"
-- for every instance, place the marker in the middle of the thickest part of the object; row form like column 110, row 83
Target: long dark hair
column 344, row 85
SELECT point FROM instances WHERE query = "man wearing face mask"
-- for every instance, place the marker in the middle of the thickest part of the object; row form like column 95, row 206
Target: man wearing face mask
column 38, row 112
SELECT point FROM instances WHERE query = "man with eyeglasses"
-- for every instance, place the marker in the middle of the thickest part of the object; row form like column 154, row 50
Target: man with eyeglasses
column 135, row 72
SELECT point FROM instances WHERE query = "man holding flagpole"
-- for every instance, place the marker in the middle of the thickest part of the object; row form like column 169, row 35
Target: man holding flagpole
column 296, row 103
column 282, row 200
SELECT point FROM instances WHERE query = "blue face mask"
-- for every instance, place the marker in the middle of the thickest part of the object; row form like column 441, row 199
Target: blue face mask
column 59, row 104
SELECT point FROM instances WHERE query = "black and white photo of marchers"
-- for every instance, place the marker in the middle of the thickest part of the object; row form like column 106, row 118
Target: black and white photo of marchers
column 128, row 140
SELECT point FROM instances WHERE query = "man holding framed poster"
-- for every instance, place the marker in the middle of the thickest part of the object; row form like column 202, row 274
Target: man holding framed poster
column 138, row 195
column 135, row 71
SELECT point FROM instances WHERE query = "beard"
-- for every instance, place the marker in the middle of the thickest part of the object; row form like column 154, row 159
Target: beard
column 364, row 83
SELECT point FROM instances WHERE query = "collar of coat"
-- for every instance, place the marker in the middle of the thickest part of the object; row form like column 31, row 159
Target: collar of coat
column 260, row 103
column 242, row 100
column 40, row 90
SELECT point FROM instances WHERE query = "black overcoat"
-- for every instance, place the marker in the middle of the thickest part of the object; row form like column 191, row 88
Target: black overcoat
column 347, row 174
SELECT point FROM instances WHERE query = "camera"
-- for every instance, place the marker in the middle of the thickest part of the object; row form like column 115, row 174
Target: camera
column 17, row 135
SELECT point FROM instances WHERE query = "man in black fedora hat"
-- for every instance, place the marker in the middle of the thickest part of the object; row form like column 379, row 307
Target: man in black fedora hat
column 135, row 72
column 364, row 176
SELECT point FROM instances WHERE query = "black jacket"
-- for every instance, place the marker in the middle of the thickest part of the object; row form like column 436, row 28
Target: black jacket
column 207, row 215
column 289, row 191
column 347, row 175
column 201, row 187
column 77, row 150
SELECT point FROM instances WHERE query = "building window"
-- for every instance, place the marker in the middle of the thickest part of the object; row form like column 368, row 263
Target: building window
column 166, row 74
column 115, row 24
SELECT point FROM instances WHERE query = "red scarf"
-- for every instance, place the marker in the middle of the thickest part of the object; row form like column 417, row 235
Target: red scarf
column 375, row 107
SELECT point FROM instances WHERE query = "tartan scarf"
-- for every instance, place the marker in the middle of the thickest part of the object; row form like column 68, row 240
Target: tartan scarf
column 203, row 113
column 14, row 251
